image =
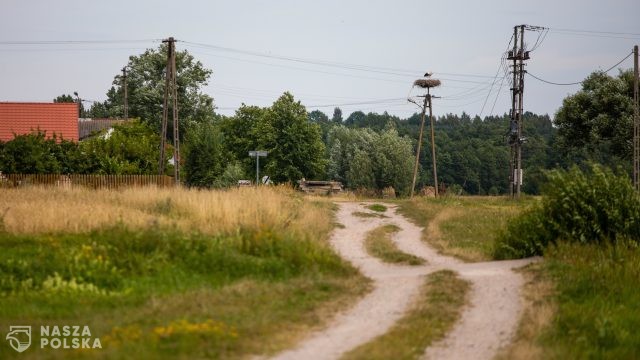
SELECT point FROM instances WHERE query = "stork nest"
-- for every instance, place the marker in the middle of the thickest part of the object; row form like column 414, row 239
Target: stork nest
column 427, row 83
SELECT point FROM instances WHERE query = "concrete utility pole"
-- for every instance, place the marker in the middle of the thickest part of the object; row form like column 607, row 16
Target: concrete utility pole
column 426, row 84
column 124, row 87
column 170, row 92
column 518, row 55
column 636, row 121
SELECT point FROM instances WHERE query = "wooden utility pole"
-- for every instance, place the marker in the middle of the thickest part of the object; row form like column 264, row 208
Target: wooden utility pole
column 426, row 84
column 415, row 168
column 433, row 144
column 518, row 55
column 124, row 87
column 636, row 121
column 170, row 93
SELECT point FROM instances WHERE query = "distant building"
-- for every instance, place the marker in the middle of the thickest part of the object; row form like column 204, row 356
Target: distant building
column 53, row 118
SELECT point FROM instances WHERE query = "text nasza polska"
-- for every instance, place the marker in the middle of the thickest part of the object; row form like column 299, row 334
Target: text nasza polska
column 68, row 337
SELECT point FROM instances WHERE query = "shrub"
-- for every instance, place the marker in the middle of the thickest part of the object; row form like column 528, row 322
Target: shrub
column 594, row 206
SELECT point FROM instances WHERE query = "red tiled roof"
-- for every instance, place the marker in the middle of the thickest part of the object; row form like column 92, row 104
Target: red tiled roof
column 23, row 118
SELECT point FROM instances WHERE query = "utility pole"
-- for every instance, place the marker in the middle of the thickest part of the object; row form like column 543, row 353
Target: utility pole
column 433, row 144
column 124, row 87
column 636, row 121
column 170, row 95
column 415, row 168
column 518, row 55
column 426, row 84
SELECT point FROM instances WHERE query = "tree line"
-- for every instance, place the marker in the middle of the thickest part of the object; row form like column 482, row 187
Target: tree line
column 370, row 150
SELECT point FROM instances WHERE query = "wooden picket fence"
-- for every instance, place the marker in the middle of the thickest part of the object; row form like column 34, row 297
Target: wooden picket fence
column 90, row 180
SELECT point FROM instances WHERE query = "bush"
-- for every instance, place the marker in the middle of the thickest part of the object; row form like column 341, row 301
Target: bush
column 595, row 206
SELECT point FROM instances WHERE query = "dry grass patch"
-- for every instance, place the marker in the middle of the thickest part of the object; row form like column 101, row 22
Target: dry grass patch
column 38, row 210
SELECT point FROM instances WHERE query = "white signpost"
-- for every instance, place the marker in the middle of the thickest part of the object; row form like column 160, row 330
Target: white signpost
column 257, row 154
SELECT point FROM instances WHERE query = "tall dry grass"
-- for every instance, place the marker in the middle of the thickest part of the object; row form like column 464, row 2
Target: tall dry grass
column 38, row 210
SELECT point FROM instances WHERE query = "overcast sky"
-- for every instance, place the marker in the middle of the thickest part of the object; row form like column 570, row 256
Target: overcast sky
column 460, row 41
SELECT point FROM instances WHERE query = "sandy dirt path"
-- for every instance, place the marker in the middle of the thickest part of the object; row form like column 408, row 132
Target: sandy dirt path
column 487, row 323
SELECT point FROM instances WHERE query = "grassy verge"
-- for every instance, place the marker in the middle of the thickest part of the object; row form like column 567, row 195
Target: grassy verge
column 464, row 227
column 437, row 309
column 583, row 304
column 379, row 244
column 171, row 288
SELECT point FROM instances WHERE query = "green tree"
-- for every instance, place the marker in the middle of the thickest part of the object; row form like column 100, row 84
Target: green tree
column 129, row 148
column 337, row 116
column 204, row 156
column 295, row 145
column 241, row 135
column 146, row 85
column 30, row 154
column 598, row 118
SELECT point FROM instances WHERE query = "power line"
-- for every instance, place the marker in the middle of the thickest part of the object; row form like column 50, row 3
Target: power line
column 577, row 82
column 77, row 42
column 594, row 32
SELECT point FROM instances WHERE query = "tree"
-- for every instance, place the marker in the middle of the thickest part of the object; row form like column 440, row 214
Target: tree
column 365, row 158
column 337, row 116
column 598, row 119
column 295, row 145
column 30, row 154
column 204, row 155
column 129, row 148
column 146, row 84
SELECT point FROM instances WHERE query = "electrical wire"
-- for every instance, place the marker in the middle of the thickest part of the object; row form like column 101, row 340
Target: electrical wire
column 77, row 42
column 578, row 82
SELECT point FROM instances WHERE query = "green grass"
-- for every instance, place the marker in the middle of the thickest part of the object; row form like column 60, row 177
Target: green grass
column 464, row 227
column 437, row 309
column 164, row 293
column 379, row 244
column 377, row 207
column 363, row 214
column 597, row 301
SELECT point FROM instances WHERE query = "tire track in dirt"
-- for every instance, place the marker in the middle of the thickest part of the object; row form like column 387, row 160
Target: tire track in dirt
column 486, row 324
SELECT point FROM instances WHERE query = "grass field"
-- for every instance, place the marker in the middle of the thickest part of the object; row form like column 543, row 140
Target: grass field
column 464, row 227
column 164, row 273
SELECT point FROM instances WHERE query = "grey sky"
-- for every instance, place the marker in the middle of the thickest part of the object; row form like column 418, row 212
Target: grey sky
column 446, row 37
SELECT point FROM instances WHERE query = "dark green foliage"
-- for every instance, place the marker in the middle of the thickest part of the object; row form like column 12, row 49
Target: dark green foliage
column 598, row 118
column 129, row 148
column 295, row 145
column 36, row 154
column 204, row 158
column 337, row 116
column 594, row 206
column 284, row 130
column 363, row 158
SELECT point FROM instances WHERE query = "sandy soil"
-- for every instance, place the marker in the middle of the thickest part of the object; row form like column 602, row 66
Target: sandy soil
column 487, row 323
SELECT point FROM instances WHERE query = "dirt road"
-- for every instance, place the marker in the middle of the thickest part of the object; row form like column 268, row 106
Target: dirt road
column 486, row 324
